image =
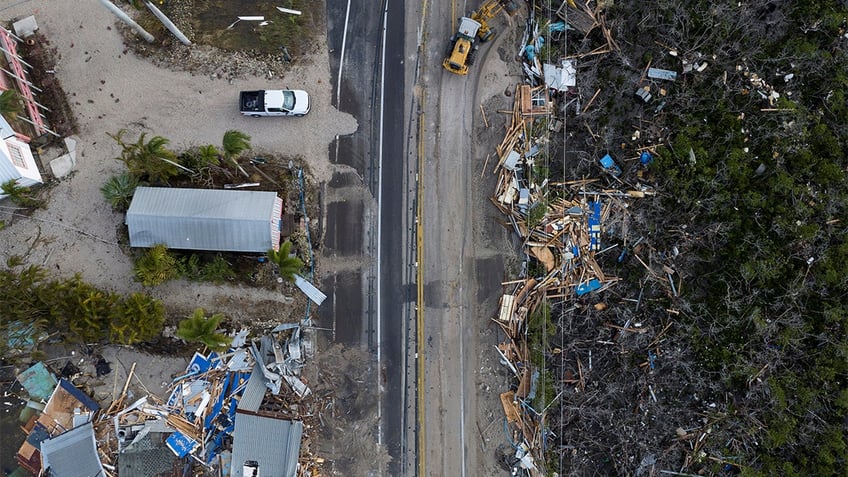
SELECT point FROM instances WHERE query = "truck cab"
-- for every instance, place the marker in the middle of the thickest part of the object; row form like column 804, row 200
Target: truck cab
column 274, row 102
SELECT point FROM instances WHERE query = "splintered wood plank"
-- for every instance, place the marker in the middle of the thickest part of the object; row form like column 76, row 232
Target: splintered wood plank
column 526, row 99
column 509, row 406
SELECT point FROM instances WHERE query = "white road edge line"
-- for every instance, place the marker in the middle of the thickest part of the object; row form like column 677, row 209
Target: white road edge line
column 380, row 229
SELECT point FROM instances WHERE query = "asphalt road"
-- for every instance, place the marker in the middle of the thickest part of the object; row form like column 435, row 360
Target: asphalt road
column 412, row 113
column 369, row 305
column 463, row 265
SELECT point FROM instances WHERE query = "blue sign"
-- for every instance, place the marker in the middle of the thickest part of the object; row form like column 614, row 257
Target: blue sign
column 180, row 444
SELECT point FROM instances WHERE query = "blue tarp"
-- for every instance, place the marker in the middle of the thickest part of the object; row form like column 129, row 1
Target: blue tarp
column 609, row 164
column 558, row 26
column 588, row 287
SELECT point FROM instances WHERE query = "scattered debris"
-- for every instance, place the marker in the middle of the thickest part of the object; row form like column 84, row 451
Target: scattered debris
column 563, row 227
column 610, row 166
column 219, row 415
column 667, row 75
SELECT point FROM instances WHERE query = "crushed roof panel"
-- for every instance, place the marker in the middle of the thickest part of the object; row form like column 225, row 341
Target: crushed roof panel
column 72, row 454
column 273, row 443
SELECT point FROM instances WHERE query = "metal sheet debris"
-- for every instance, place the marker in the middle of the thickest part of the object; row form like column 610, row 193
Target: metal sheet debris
column 667, row 75
column 310, row 290
column 561, row 77
column 197, row 421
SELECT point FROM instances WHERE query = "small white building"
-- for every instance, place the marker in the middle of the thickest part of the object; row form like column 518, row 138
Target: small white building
column 16, row 159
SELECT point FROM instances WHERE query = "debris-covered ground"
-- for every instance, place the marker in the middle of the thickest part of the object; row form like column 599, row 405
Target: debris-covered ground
column 647, row 333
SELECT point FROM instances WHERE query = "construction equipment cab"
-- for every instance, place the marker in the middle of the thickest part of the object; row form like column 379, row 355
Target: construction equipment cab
column 473, row 28
column 462, row 48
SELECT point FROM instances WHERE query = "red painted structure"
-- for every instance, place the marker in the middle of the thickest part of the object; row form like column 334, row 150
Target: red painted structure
column 10, row 45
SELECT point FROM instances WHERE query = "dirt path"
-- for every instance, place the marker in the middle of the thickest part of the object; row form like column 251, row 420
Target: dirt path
column 109, row 89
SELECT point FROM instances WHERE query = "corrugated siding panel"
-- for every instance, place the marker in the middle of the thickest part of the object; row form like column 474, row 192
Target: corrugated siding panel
column 273, row 443
column 72, row 454
column 7, row 169
column 203, row 219
column 254, row 392
column 310, row 290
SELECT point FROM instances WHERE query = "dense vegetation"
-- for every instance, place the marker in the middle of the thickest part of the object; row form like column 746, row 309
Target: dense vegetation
column 750, row 169
column 770, row 283
column 36, row 307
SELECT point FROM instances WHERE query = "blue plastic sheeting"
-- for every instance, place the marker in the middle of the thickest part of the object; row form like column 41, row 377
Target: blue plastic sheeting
column 214, row 420
column 609, row 164
column 198, row 364
column 558, row 26
column 530, row 51
column 588, row 287
column 595, row 226
column 646, row 158
column 216, row 408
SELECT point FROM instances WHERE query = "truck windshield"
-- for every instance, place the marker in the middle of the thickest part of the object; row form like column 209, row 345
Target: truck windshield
column 288, row 100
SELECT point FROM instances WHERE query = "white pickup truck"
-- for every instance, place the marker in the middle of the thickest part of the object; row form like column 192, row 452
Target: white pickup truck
column 274, row 102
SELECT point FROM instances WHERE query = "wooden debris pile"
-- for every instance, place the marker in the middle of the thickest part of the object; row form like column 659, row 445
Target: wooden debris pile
column 562, row 227
column 580, row 18
column 196, row 425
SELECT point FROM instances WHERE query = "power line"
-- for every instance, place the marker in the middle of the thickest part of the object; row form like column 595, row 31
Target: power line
column 59, row 224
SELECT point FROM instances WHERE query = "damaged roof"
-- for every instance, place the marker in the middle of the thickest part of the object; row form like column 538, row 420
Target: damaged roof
column 273, row 443
column 72, row 454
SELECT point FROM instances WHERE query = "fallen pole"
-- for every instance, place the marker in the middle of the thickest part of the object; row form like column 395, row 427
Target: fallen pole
column 289, row 10
column 168, row 24
column 129, row 21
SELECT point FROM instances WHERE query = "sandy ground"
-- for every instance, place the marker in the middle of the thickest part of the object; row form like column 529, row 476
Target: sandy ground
column 111, row 89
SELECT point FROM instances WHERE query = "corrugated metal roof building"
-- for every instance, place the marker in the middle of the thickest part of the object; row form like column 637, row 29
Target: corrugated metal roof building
column 272, row 443
column 205, row 219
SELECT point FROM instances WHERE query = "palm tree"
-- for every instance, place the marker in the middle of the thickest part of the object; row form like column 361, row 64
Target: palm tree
column 208, row 155
column 234, row 143
column 119, row 190
column 198, row 328
column 288, row 264
column 150, row 158
column 10, row 104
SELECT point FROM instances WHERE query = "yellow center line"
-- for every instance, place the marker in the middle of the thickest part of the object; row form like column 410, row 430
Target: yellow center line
column 453, row 16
